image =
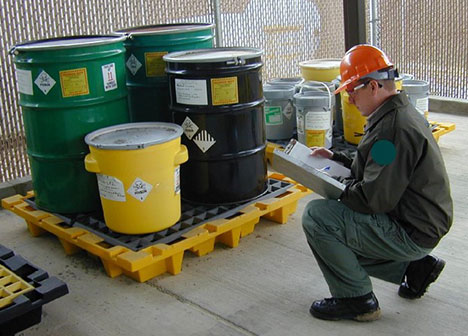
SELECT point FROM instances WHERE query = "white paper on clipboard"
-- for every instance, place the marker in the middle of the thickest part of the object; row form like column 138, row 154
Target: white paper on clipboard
column 302, row 153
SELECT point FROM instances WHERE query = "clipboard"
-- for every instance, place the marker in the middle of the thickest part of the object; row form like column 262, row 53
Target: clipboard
column 314, row 179
column 302, row 153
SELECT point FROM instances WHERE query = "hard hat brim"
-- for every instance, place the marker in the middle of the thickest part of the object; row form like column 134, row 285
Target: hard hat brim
column 344, row 85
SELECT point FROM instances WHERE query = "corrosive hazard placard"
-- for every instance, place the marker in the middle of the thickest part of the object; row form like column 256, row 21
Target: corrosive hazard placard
column 204, row 141
column 74, row 82
column 288, row 111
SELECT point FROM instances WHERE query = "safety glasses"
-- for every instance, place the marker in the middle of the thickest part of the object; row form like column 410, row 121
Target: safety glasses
column 351, row 90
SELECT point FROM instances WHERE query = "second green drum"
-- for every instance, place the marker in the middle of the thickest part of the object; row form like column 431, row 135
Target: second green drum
column 148, row 88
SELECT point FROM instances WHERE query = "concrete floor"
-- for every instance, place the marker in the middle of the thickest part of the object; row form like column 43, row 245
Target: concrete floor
column 263, row 287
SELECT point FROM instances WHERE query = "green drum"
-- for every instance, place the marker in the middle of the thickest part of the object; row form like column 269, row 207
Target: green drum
column 148, row 87
column 68, row 87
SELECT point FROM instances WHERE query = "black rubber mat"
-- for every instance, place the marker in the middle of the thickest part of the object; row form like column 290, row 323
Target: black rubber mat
column 192, row 216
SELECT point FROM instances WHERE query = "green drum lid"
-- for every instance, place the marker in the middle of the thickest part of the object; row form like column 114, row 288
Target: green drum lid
column 166, row 29
column 67, row 43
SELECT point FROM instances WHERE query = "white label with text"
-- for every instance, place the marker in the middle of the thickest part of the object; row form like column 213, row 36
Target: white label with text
column 191, row 91
column 111, row 188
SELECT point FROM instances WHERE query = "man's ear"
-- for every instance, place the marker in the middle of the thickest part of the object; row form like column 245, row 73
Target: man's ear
column 374, row 86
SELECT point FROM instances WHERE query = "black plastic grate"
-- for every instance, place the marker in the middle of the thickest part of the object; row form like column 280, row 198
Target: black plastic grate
column 26, row 310
column 192, row 216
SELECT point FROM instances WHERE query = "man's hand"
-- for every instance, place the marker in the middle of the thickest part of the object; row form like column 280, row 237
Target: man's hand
column 321, row 151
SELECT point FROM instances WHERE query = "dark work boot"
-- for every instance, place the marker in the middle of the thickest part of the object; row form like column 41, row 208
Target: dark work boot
column 419, row 275
column 360, row 308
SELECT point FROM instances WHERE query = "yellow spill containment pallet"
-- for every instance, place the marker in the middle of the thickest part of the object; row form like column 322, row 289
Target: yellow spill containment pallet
column 270, row 147
column 157, row 259
column 439, row 129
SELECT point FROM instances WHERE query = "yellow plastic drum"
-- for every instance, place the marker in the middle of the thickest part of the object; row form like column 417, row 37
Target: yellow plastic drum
column 321, row 70
column 399, row 83
column 353, row 121
column 137, row 168
column 399, row 80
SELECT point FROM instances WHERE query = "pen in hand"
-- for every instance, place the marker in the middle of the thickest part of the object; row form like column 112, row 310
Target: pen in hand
column 324, row 169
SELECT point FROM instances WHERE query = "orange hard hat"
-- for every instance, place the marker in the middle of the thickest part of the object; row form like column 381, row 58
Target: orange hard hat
column 361, row 61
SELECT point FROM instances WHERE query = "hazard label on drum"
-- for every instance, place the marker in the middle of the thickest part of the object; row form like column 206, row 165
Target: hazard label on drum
column 204, row 141
column 109, row 76
column 133, row 64
column 44, row 82
column 74, row 82
column 190, row 128
column 140, row 189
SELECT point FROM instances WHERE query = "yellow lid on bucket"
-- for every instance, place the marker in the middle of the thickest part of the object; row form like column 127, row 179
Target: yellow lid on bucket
column 322, row 70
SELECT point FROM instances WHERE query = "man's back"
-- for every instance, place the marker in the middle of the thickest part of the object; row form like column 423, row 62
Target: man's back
column 413, row 188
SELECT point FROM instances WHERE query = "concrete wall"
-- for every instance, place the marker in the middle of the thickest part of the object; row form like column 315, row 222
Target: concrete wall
column 448, row 105
column 18, row 186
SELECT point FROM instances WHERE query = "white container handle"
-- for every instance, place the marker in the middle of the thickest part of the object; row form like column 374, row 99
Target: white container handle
column 323, row 84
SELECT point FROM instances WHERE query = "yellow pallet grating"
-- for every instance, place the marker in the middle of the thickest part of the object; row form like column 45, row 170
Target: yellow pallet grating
column 157, row 259
column 440, row 129
column 11, row 286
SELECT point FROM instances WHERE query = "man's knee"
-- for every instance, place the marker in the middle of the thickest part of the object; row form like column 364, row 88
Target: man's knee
column 316, row 214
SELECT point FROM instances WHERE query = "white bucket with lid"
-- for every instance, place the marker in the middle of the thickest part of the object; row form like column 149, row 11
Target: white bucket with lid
column 321, row 86
column 314, row 117
column 292, row 81
column 418, row 94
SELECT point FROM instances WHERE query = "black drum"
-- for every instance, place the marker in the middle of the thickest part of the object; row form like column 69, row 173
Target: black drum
column 216, row 96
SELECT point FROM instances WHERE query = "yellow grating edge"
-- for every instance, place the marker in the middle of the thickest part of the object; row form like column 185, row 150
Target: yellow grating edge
column 440, row 129
column 11, row 286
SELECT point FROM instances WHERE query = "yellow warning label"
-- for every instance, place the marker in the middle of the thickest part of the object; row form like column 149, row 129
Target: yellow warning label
column 315, row 138
column 224, row 91
column 74, row 82
column 155, row 64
